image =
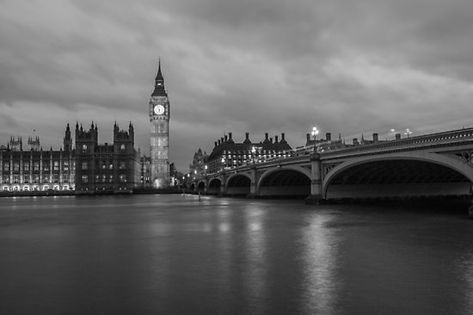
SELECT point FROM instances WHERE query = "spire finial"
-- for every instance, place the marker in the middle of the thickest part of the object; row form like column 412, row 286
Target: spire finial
column 159, row 76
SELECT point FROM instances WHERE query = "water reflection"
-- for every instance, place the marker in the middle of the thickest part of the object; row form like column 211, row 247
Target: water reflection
column 320, row 261
column 256, row 263
column 175, row 254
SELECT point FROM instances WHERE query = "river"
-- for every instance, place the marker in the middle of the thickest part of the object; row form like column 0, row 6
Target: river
column 174, row 254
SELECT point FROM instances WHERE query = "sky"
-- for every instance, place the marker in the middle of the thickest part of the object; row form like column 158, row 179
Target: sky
column 347, row 67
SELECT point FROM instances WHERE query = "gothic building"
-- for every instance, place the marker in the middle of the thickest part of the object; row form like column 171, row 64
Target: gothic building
column 159, row 114
column 198, row 162
column 226, row 153
column 35, row 169
column 106, row 168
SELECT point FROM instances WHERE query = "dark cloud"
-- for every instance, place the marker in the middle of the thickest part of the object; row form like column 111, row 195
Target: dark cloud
column 350, row 67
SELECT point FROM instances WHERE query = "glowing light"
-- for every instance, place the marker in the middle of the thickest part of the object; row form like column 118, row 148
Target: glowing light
column 408, row 132
column 315, row 132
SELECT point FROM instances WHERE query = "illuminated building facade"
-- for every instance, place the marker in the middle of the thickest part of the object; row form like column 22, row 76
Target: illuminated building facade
column 35, row 169
column 226, row 153
column 159, row 114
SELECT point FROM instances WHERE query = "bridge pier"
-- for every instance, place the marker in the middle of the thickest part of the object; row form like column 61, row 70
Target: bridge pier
column 315, row 196
column 253, row 184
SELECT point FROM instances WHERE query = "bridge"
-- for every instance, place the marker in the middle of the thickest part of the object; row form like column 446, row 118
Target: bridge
column 438, row 164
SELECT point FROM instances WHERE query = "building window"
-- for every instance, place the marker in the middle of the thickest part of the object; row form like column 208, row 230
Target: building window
column 46, row 166
column 26, row 167
column 110, row 179
column 16, row 167
column 85, row 179
column 110, row 166
column 56, row 165
column 6, row 167
column 26, row 179
column 122, row 165
column 85, row 165
column 122, row 147
column 122, row 178
column 35, row 166
column 84, row 147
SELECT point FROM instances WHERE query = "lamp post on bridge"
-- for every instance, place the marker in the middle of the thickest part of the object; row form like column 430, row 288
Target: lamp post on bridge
column 408, row 132
column 223, row 163
column 314, row 133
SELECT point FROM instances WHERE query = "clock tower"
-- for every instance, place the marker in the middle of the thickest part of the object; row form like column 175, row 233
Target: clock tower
column 159, row 112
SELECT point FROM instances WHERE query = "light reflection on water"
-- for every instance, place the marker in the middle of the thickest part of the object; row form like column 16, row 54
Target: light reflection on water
column 319, row 262
column 175, row 254
column 256, row 263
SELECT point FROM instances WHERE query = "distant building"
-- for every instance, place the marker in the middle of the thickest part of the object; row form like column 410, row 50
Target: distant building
column 226, row 153
column 106, row 168
column 198, row 162
column 34, row 169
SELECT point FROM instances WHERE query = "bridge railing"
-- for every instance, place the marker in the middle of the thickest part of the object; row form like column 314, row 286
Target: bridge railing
column 418, row 141
column 324, row 149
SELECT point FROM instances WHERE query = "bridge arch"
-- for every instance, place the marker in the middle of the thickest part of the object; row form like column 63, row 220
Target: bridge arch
column 214, row 187
column 201, row 186
column 284, row 181
column 399, row 174
column 238, row 184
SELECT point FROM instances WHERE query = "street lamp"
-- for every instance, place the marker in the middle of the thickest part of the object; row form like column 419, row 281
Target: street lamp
column 223, row 163
column 408, row 132
column 314, row 133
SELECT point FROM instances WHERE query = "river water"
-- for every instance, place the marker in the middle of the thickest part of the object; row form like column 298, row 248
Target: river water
column 174, row 254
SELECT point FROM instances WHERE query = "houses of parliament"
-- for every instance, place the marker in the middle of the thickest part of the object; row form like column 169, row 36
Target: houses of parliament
column 84, row 166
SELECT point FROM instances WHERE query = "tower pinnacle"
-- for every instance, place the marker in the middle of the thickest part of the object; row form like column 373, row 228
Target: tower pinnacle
column 159, row 83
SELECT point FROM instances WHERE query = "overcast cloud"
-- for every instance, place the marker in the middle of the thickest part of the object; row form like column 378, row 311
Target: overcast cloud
column 349, row 67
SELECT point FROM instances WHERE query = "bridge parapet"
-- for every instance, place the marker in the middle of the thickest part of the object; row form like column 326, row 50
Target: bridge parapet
column 441, row 138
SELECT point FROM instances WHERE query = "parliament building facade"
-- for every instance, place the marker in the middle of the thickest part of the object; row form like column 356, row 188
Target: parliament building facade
column 85, row 168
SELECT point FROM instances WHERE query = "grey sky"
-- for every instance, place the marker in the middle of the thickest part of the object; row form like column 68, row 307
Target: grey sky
column 349, row 67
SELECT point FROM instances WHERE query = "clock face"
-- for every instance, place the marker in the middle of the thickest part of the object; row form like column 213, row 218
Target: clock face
column 159, row 109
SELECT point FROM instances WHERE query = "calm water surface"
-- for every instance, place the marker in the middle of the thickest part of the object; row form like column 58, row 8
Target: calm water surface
column 172, row 254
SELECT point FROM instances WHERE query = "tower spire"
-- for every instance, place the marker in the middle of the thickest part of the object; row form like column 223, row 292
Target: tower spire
column 159, row 89
column 159, row 76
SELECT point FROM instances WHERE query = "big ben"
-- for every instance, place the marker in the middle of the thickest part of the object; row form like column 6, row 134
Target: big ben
column 159, row 112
